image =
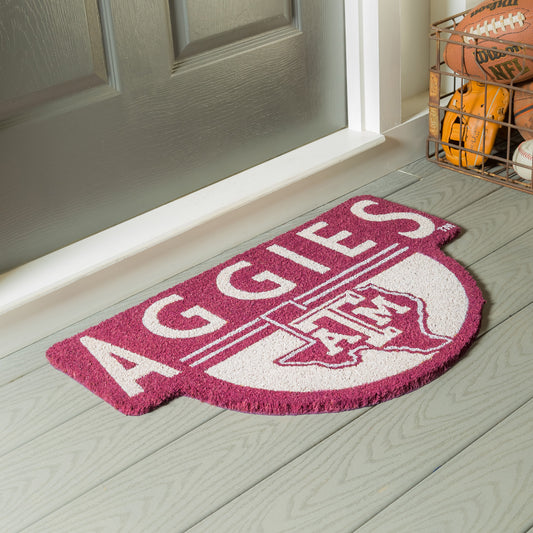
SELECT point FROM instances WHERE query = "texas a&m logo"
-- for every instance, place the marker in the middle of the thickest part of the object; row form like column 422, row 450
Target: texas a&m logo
column 354, row 307
column 343, row 328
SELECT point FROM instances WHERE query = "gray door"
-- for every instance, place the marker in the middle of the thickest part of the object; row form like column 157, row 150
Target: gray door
column 110, row 108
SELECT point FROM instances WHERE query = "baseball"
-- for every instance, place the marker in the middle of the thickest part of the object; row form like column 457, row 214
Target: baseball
column 523, row 156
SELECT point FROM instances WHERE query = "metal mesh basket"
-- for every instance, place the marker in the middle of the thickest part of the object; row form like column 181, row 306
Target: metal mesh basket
column 495, row 163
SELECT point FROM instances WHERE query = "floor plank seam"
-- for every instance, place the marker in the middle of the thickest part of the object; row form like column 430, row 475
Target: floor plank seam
column 45, row 363
column 281, row 467
column 6, row 355
column 444, row 463
column 529, row 528
column 88, row 490
column 35, row 437
column 401, row 189
column 481, row 198
column 466, row 208
column 421, row 160
column 530, row 230
column 409, row 173
column 502, row 322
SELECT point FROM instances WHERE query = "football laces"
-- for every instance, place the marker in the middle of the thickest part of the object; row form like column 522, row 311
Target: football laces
column 496, row 26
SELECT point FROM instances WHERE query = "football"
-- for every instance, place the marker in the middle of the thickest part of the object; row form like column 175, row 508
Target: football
column 523, row 109
column 489, row 48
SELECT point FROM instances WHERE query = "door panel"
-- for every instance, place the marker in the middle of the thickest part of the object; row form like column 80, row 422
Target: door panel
column 36, row 65
column 202, row 26
column 154, row 99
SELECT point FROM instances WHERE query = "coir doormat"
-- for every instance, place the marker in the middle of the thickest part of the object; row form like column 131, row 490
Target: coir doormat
column 350, row 309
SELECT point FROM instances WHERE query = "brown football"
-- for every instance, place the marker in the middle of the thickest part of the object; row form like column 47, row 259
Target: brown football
column 486, row 51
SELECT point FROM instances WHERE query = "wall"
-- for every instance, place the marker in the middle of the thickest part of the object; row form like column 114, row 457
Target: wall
column 417, row 52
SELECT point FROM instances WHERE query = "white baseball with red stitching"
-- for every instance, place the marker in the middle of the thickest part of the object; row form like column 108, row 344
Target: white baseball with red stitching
column 523, row 156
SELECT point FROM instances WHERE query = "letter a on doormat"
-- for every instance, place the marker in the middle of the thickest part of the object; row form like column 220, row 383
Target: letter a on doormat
column 350, row 309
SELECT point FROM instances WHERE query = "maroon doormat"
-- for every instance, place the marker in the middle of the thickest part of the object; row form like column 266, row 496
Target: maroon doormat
column 350, row 309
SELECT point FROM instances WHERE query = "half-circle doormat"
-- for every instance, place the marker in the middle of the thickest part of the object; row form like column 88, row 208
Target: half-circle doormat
column 350, row 309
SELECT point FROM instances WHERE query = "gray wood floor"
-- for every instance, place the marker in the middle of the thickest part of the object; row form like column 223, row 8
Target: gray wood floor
column 453, row 456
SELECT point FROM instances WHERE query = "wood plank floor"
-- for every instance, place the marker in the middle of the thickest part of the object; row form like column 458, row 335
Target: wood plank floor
column 453, row 456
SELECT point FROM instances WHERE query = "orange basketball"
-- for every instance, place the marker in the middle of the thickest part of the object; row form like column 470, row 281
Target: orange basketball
column 523, row 109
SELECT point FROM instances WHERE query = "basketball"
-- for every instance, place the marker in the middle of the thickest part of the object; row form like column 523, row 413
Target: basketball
column 523, row 109
column 487, row 51
column 523, row 158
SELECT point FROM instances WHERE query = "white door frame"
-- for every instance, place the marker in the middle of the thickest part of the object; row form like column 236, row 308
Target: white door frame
column 65, row 286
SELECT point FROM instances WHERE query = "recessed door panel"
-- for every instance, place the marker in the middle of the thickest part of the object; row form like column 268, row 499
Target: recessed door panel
column 49, row 50
column 200, row 27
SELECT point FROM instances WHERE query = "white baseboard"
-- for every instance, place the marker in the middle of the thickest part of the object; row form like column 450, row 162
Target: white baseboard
column 66, row 286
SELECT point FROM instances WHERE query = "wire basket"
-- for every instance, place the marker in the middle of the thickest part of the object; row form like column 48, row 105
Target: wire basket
column 491, row 162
